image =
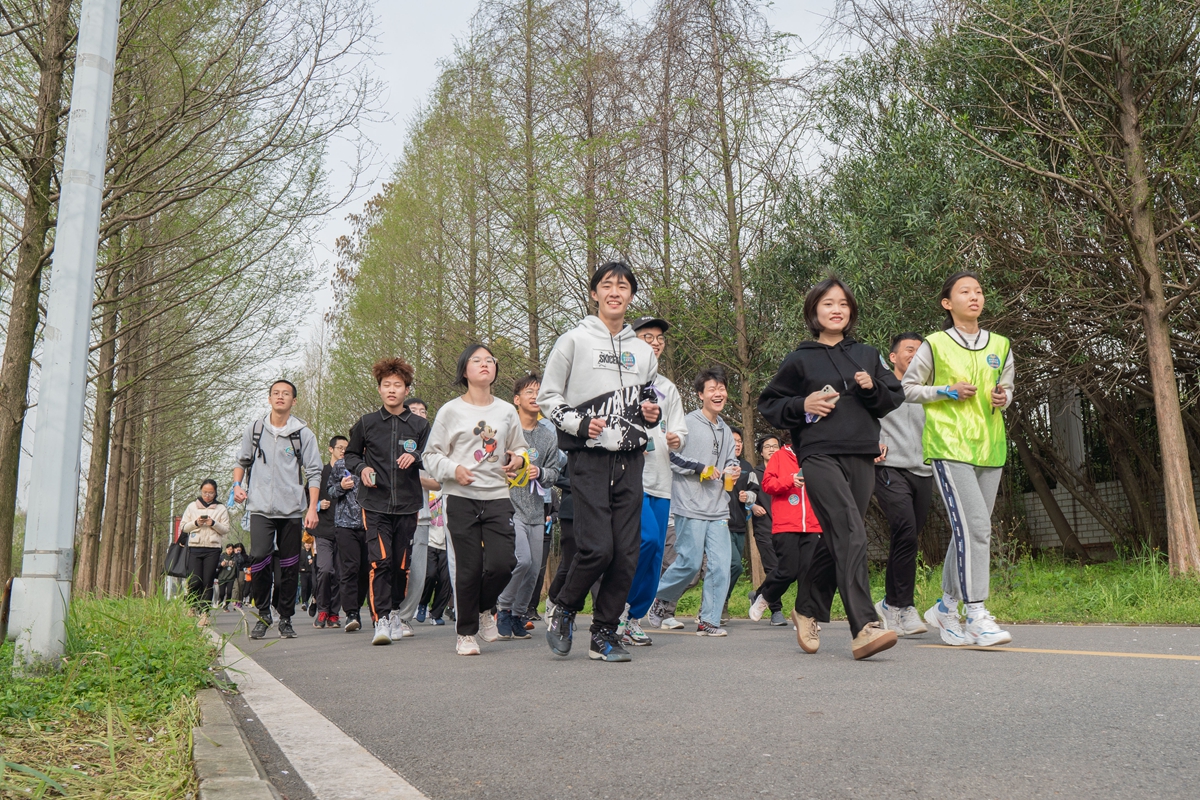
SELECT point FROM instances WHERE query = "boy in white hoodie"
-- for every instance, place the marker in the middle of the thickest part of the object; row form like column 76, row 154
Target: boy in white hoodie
column 598, row 392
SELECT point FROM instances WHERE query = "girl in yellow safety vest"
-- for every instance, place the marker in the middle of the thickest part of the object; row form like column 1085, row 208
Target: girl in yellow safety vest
column 964, row 376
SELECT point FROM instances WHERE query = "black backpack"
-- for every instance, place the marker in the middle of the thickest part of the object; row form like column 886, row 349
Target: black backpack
column 256, row 452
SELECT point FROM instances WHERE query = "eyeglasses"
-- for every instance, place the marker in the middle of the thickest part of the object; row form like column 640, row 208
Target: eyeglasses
column 477, row 361
column 660, row 339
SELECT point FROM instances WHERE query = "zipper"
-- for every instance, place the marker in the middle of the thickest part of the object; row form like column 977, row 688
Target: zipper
column 392, row 466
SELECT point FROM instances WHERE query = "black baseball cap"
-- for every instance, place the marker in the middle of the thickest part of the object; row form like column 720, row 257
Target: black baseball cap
column 650, row 322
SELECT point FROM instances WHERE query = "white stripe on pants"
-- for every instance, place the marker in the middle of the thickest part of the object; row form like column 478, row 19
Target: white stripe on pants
column 969, row 495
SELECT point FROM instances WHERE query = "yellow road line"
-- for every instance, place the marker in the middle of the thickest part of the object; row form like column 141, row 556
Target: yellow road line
column 1066, row 652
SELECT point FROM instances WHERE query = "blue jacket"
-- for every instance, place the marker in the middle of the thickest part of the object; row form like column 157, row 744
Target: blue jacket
column 347, row 513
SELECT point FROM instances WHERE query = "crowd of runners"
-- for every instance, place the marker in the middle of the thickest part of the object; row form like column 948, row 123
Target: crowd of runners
column 409, row 521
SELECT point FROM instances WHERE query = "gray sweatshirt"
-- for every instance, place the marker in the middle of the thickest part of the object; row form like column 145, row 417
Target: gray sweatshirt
column 707, row 445
column 901, row 431
column 279, row 477
column 528, row 503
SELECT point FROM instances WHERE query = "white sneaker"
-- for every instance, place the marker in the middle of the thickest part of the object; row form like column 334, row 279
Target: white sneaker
column 758, row 608
column 948, row 624
column 908, row 622
column 985, row 632
column 394, row 624
column 672, row 624
column 888, row 617
column 467, row 646
column 487, row 627
column 549, row 610
column 382, row 632
column 406, row 629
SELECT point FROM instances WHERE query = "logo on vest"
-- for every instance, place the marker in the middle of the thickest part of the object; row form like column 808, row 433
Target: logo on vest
column 409, row 445
column 993, row 361
column 793, row 499
column 607, row 359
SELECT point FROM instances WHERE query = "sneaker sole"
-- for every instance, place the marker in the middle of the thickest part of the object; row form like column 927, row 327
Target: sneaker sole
column 947, row 637
column 877, row 645
column 1006, row 637
column 674, row 627
column 468, row 653
column 641, row 642
column 616, row 659
column 381, row 639
column 757, row 617
column 550, row 640
column 352, row 626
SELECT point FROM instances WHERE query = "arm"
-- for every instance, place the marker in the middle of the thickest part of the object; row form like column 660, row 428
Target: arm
column 220, row 519
column 774, row 482
column 885, row 394
column 548, row 469
column 919, row 375
column 676, row 419
column 312, row 459
column 356, row 449
column 430, row 485
column 437, row 451
column 782, row 402
column 334, row 486
column 683, row 466
column 552, row 395
column 188, row 523
column 1008, row 375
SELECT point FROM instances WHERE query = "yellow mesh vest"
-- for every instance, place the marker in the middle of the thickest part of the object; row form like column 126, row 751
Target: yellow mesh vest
column 966, row 430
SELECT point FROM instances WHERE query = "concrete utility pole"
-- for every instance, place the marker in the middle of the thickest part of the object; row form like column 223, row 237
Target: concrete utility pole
column 42, row 593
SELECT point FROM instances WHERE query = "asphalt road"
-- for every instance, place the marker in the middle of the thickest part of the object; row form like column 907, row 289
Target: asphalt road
column 751, row 716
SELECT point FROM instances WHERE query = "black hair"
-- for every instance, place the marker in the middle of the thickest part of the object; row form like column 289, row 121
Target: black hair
column 762, row 440
column 947, row 288
column 711, row 374
column 283, row 380
column 415, row 401
column 209, row 482
column 737, row 430
column 905, row 337
column 460, row 369
column 617, row 268
column 813, row 298
column 333, row 440
column 524, row 383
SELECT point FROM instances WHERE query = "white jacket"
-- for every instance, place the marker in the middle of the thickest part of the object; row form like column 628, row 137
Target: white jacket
column 205, row 535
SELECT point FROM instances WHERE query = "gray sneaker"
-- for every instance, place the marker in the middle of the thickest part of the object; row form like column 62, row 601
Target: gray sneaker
column 654, row 617
column 889, row 618
column 908, row 622
column 777, row 619
column 395, row 629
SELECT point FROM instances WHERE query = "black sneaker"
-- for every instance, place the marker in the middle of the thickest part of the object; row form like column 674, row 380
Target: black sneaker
column 607, row 647
column 262, row 626
column 353, row 623
column 559, row 631
column 286, row 631
column 312, row 609
column 519, row 631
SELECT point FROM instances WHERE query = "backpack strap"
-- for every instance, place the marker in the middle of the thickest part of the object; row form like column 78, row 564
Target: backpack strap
column 255, row 451
column 294, row 437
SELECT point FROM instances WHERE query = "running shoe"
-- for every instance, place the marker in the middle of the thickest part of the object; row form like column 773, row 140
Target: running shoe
column 654, row 617
column 286, row 631
column 985, row 632
column 353, row 623
column 560, row 631
column 312, row 609
column 262, row 626
column 406, row 630
column 467, row 646
column 670, row 623
column 889, row 618
column 394, row 623
column 421, row 613
column 947, row 623
column 808, row 632
column 708, row 629
column 487, row 627
column 504, row 624
column 383, row 634
column 533, row 616
column 606, row 646
column 333, row 621
column 872, row 639
column 438, row 621
column 519, row 631
column 909, row 623
column 635, row 635
column 758, row 608
column 319, row 622
column 777, row 619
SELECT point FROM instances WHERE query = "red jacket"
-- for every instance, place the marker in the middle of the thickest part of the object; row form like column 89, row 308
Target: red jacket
column 790, row 508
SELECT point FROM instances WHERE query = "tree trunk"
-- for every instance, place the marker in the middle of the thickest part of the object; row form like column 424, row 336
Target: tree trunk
column 108, row 528
column 121, row 576
column 590, row 217
column 1183, row 527
column 145, row 527
column 23, row 312
column 530, row 221
column 1062, row 527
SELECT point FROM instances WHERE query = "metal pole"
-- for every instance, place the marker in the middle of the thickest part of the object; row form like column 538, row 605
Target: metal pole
column 41, row 595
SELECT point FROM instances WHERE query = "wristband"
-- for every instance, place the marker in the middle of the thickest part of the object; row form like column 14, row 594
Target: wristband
column 946, row 391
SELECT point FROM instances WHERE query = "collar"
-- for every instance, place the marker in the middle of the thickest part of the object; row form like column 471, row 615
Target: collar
column 385, row 415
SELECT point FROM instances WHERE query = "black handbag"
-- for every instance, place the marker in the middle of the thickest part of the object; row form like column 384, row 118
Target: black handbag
column 177, row 557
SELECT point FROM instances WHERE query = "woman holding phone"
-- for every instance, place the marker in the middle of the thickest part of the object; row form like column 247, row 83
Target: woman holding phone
column 206, row 523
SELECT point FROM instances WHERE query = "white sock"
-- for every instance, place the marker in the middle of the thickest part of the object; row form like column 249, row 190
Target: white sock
column 975, row 610
column 949, row 603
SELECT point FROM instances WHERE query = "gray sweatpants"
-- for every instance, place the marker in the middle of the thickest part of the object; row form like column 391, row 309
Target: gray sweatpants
column 519, row 591
column 416, row 572
column 969, row 495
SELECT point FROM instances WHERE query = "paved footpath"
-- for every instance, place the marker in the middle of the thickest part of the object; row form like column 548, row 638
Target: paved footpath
column 1095, row 712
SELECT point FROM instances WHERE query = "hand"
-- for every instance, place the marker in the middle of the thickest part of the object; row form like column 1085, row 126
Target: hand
column 464, row 476
column 239, row 494
column 820, row 403
column 310, row 519
column 999, row 397
column 650, row 411
column 347, row 483
column 758, row 511
column 965, row 390
column 673, row 441
column 882, row 452
column 405, row 461
column 368, row 476
column 863, row 379
column 201, row 522
column 513, row 464
column 735, row 471
column 797, row 479
column 324, row 504
column 596, row 427
column 741, row 497
column 534, row 472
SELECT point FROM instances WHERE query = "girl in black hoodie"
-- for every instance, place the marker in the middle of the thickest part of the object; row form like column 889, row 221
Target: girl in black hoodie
column 830, row 393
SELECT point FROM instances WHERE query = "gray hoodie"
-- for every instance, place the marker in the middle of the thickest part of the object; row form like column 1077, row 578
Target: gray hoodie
column 528, row 503
column 707, row 445
column 275, row 487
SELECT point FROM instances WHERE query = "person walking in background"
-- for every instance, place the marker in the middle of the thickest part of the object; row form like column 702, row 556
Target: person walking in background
column 277, row 477
column 241, row 581
column 742, row 498
column 704, row 465
column 529, row 509
column 326, row 582
column 385, row 453
column 206, row 523
column 304, row 592
column 904, row 489
column 475, row 448
column 762, row 523
column 437, row 592
column 406, row 608
column 226, row 578
column 963, row 374
column 668, row 435
column 350, row 537
column 830, row 393
column 597, row 391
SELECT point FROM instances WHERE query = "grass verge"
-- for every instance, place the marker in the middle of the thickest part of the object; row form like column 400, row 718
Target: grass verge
column 115, row 721
column 1042, row 588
